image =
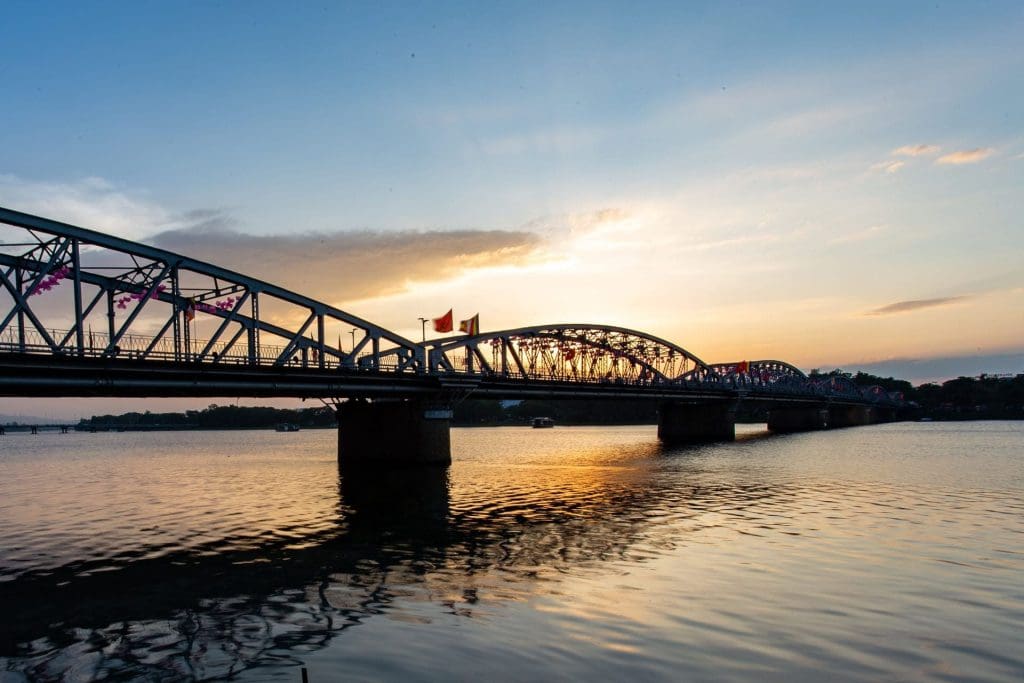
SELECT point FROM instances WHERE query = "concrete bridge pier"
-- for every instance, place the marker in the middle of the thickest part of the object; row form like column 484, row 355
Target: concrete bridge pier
column 682, row 423
column 394, row 433
column 787, row 420
column 849, row 416
column 883, row 414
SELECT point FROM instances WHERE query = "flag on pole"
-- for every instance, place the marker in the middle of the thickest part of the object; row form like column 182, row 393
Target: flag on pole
column 743, row 366
column 471, row 326
column 190, row 310
column 444, row 323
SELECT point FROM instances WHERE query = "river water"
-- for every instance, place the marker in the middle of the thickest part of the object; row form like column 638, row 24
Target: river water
column 891, row 552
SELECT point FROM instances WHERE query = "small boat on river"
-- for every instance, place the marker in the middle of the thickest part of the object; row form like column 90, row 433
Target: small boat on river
column 543, row 422
column 286, row 427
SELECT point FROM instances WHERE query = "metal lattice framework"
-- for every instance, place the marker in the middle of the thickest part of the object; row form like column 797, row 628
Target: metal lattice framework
column 78, row 296
column 879, row 394
column 762, row 372
column 838, row 385
column 570, row 352
column 70, row 291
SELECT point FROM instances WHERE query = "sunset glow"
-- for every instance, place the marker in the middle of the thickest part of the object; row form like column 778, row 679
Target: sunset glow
column 833, row 187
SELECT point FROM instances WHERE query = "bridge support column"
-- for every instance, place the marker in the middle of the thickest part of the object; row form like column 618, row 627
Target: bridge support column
column 803, row 419
column 386, row 433
column 849, row 416
column 681, row 423
column 883, row 414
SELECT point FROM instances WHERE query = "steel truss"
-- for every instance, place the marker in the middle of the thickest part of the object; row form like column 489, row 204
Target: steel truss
column 779, row 376
column 79, row 296
column 569, row 352
column 115, row 298
column 764, row 375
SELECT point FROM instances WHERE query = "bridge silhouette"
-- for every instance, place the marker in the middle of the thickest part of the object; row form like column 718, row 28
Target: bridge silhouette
column 89, row 314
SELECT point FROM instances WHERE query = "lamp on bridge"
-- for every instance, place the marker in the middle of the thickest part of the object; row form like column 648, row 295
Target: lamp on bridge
column 423, row 327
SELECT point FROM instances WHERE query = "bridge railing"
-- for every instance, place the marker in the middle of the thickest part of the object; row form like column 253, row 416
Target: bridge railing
column 462, row 365
column 53, row 274
column 137, row 346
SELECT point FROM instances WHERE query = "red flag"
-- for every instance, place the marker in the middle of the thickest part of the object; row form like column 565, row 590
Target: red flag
column 744, row 366
column 444, row 323
column 471, row 326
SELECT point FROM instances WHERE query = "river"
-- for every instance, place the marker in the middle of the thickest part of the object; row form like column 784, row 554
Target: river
column 890, row 552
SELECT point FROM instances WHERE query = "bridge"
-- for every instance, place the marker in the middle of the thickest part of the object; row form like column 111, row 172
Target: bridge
column 34, row 428
column 83, row 313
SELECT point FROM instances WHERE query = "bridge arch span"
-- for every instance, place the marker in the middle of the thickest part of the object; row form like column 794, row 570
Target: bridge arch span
column 765, row 370
column 114, row 298
column 572, row 352
column 879, row 394
column 838, row 386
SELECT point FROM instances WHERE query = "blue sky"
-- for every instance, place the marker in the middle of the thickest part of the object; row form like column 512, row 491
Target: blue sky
column 744, row 178
column 402, row 117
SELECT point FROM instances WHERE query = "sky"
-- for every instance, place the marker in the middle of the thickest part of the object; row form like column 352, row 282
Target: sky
column 834, row 186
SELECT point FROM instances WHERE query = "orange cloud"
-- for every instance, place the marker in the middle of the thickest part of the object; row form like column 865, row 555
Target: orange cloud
column 888, row 166
column 967, row 156
column 916, row 150
column 347, row 266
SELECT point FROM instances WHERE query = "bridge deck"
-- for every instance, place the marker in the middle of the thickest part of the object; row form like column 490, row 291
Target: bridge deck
column 49, row 376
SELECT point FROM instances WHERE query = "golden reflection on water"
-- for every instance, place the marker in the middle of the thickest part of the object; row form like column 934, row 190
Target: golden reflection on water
column 576, row 552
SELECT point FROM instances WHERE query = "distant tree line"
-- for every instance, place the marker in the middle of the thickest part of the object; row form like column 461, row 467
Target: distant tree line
column 964, row 398
column 213, row 417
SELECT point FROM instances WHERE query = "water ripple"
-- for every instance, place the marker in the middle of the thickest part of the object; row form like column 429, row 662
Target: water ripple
column 883, row 552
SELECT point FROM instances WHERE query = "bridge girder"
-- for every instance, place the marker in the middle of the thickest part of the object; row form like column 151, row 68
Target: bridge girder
column 767, row 370
column 118, row 298
column 121, row 302
column 879, row 394
column 839, row 386
column 571, row 351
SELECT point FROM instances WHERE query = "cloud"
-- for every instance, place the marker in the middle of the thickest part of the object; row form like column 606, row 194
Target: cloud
column 916, row 150
column 577, row 223
column 860, row 236
column 346, row 266
column 553, row 141
column 920, row 370
column 967, row 156
column 888, row 166
column 916, row 304
column 90, row 202
column 333, row 266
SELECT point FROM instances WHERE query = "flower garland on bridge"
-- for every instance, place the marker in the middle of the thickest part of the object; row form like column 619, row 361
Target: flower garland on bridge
column 64, row 272
column 52, row 281
column 123, row 302
column 224, row 305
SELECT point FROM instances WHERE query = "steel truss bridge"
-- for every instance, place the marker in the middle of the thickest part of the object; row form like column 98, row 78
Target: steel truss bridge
column 84, row 313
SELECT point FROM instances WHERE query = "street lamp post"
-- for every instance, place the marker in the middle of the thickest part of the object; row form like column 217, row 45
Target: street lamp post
column 423, row 328
column 353, row 333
